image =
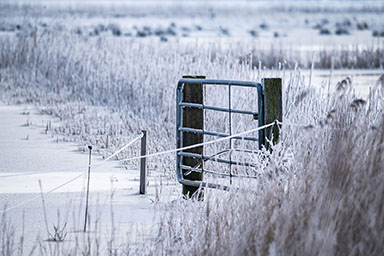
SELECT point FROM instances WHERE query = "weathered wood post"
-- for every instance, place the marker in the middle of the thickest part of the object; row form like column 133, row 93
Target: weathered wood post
column 273, row 106
column 143, row 162
column 192, row 118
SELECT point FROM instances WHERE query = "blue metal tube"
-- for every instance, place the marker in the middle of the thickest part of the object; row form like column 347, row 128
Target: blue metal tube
column 214, row 159
column 194, row 105
column 219, row 134
column 223, row 175
column 230, row 132
column 218, row 82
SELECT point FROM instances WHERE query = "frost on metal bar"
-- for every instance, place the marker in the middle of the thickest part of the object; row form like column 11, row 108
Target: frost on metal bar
column 193, row 105
column 219, row 160
column 222, row 175
column 219, row 134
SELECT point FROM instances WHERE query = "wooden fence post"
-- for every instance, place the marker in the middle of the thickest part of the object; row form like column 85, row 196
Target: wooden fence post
column 143, row 162
column 88, row 178
column 192, row 118
column 273, row 106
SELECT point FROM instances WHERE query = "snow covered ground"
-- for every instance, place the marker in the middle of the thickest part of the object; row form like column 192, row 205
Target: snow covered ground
column 26, row 149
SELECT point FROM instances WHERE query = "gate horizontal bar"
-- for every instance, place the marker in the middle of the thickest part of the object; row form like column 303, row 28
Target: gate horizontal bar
column 226, row 151
column 197, row 183
column 189, row 168
column 192, row 130
column 193, row 155
column 219, row 82
column 223, row 175
column 201, row 106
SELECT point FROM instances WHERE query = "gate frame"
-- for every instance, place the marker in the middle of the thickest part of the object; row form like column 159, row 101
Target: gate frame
column 191, row 186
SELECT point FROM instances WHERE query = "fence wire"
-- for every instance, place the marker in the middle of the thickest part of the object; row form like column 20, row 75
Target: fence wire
column 71, row 180
column 79, row 167
column 134, row 158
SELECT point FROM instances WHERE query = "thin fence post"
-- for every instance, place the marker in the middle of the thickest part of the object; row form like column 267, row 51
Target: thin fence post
column 273, row 107
column 192, row 118
column 89, row 177
column 143, row 162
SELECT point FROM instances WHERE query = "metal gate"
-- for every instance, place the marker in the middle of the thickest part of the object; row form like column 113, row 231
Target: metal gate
column 190, row 123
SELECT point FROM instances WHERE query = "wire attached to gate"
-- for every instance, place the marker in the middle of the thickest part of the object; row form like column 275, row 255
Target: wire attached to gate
column 197, row 145
column 310, row 126
column 140, row 157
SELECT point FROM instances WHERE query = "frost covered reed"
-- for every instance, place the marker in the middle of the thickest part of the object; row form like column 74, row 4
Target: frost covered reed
column 340, row 57
column 106, row 89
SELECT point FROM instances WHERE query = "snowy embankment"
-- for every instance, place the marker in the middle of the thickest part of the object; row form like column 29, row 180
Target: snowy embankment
column 29, row 155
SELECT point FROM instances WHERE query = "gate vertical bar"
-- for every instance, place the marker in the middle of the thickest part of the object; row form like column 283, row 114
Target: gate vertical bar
column 273, row 106
column 192, row 118
column 230, row 132
column 203, row 113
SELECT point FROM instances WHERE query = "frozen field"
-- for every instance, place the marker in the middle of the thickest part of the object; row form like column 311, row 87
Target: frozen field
column 27, row 149
column 297, row 23
column 98, row 72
